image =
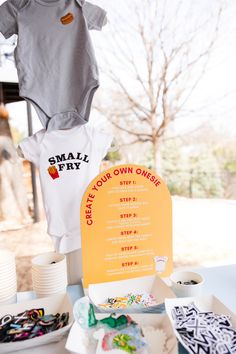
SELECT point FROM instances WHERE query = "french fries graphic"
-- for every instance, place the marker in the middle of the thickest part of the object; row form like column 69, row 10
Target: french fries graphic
column 52, row 170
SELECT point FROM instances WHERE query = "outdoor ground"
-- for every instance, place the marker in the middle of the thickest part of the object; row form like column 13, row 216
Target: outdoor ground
column 204, row 234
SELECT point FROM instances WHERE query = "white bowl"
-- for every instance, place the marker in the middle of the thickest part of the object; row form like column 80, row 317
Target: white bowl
column 183, row 290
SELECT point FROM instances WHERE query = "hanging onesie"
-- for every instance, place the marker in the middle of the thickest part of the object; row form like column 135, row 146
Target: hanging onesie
column 68, row 160
column 54, row 56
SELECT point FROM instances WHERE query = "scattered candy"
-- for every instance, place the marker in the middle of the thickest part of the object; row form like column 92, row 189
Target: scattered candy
column 129, row 300
column 30, row 324
column 204, row 332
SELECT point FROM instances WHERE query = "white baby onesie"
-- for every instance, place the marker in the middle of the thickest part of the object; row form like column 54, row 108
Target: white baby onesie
column 68, row 160
column 54, row 56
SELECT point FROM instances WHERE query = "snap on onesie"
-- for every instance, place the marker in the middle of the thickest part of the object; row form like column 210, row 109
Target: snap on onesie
column 54, row 56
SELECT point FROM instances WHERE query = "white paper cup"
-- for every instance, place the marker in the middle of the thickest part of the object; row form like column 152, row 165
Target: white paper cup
column 51, row 290
column 52, row 267
column 8, row 275
column 8, row 289
column 49, row 278
column 8, row 300
column 8, row 283
column 49, row 283
column 46, row 294
column 6, row 280
column 49, row 272
column 47, row 259
column 6, row 256
column 182, row 290
column 7, row 296
column 7, row 265
column 9, row 270
column 4, row 270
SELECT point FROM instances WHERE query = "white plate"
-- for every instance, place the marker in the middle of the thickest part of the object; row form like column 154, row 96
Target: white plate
column 51, row 305
column 204, row 303
column 154, row 285
column 77, row 335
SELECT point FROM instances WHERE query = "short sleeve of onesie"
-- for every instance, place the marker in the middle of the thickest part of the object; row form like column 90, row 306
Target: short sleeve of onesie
column 8, row 16
column 102, row 142
column 31, row 147
column 95, row 16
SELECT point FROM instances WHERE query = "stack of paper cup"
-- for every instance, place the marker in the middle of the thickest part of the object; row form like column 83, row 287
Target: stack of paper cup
column 49, row 274
column 8, row 284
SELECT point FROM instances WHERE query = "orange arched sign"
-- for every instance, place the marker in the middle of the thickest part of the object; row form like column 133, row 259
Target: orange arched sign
column 126, row 225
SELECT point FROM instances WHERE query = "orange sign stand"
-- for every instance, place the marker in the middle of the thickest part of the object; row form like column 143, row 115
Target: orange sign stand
column 126, row 224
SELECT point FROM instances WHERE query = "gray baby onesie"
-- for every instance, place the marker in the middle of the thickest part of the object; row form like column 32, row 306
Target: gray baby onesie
column 54, row 56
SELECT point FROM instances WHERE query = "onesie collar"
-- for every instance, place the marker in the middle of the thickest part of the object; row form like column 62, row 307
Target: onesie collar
column 49, row 3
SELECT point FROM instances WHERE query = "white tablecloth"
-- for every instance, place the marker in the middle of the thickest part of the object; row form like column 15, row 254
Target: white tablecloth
column 219, row 281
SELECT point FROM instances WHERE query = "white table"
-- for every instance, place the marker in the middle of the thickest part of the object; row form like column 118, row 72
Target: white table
column 219, row 281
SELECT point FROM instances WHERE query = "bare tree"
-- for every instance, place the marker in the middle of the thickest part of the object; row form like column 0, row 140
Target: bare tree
column 156, row 55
